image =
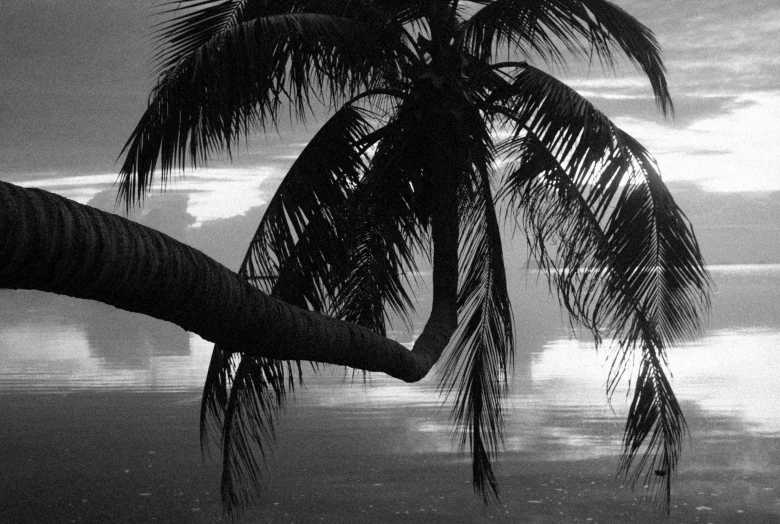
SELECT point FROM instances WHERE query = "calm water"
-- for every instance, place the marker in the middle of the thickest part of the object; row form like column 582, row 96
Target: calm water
column 557, row 411
column 51, row 343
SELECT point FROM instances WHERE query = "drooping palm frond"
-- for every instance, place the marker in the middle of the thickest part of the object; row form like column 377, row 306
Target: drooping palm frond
column 292, row 252
column 477, row 364
column 479, row 361
column 230, row 75
column 257, row 395
column 624, row 258
column 585, row 28
column 193, row 23
column 292, row 256
column 617, row 178
column 218, row 388
column 612, row 290
column 214, row 399
column 386, row 237
column 383, row 251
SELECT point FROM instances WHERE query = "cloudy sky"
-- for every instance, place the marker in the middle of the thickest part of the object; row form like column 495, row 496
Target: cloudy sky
column 76, row 74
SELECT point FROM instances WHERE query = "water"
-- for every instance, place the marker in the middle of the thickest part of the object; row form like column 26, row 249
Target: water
column 52, row 343
column 557, row 409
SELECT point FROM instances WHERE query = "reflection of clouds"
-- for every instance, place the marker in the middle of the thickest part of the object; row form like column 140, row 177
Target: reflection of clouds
column 32, row 341
column 733, row 372
column 746, row 296
column 50, row 327
column 380, row 392
column 53, row 342
column 558, row 408
column 130, row 340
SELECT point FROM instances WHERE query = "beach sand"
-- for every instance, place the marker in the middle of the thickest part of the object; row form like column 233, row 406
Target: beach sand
column 119, row 457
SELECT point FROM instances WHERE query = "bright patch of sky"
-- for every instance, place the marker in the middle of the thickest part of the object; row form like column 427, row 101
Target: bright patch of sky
column 735, row 150
column 213, row 193
column 723, row 61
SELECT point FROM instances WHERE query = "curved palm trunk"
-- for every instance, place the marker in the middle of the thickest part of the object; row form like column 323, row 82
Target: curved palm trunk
column 50, row 243
column 444, row 164
column 443, row 320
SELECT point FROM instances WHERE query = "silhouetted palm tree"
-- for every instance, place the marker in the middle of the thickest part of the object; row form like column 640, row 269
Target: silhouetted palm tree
column 436, row 114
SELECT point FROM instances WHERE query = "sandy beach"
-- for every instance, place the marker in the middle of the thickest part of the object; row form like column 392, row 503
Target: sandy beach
column 135, row 457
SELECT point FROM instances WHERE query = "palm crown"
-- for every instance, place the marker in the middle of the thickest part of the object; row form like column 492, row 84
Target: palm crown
column 437, row 117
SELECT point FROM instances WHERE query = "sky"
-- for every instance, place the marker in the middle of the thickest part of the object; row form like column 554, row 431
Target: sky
column 76, row 75
column 723, row 60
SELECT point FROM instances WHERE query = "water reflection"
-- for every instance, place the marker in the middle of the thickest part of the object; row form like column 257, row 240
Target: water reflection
column 733, row 372
column 49, row 342
column 129, row 341
column 558, row 422
column 558, row 407
column 558, row 389
column 725, row 383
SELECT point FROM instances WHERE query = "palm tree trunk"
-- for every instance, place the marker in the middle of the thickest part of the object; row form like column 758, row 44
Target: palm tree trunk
column 445, row 163
column 443, row 320
column 50, row 243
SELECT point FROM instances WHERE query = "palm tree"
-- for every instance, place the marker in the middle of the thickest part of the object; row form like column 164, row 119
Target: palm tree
column 438, row 121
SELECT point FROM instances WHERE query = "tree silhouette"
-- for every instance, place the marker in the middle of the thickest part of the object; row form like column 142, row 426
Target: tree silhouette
column 438, row 120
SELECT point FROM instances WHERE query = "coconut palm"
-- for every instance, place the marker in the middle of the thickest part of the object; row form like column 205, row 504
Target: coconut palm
column 438, row 122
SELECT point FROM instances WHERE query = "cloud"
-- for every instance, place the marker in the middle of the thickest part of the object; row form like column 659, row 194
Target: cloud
column 731, row 151
column 212, row 193
column 226, row 192
column 714, row 51
column 166, row 212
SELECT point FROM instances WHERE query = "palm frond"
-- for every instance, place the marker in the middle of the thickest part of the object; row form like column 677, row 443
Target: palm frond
column 385, row 220
column 300, row 239
column 194, row 23
column 584, row 28
column 220, row 381
column 292, row 256
column 257, row 396
column 476, row 367
column 383, row 251
column 236, row 77
column 349, row 220
column 625, row 261
column 214, row 399
column 480, row 358
column 609, row 281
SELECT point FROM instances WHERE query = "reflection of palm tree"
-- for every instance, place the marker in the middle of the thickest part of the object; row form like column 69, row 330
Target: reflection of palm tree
column 425, row 116
column 129, row 341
